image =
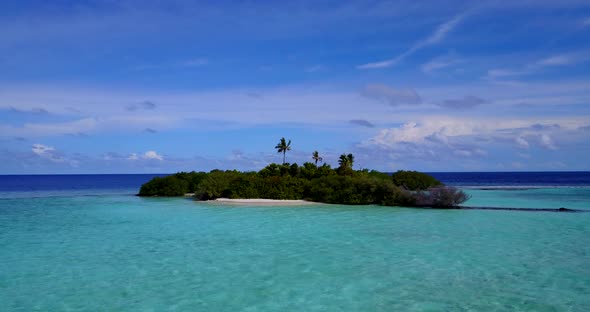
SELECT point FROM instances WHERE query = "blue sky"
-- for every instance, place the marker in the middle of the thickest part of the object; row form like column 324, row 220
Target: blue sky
column 153, row 86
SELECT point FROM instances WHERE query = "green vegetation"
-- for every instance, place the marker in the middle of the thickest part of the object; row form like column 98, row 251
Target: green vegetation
column 342, row 185
column 345, row 162
column 414, row 180
column 174, row 185
column 315, row 183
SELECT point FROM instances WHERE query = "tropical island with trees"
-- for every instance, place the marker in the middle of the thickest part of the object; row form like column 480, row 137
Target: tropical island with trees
column 311, row 182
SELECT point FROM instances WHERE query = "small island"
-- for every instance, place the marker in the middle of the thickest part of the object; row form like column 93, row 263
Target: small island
column 311, row 182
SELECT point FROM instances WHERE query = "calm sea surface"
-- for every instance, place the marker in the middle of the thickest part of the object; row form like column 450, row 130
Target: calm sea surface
column 85, row 243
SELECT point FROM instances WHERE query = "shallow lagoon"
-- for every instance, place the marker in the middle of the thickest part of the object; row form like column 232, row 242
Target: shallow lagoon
column 530, row 197
column 115, row 251
column 120, row 252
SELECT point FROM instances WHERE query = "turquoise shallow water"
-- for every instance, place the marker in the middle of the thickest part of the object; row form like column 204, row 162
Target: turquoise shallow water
column 116, row 252
column 557, row 197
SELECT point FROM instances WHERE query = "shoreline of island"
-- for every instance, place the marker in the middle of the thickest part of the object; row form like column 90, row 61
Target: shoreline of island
column 262, row 202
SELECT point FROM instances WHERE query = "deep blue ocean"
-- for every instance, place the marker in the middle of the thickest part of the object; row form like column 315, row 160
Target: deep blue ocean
column 515, row 179
column 86, row 243
column 28, row 183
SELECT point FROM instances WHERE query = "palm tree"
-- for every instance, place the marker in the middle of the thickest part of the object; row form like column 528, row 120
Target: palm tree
column 350, row 160
column 283, row 147
column 343, row 161
column 316, row 157
column 346, row 161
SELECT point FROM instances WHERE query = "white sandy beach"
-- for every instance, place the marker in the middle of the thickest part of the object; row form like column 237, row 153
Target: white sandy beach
column 264, row 202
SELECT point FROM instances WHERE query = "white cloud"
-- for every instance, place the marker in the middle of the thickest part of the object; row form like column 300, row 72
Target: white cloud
column 383, row 64
column 472, row 152
column 441, row 32
column 149, row 155
column 435, row 141
column 231, row 108
column 556, row 60
column 41, row 149
column 89, row 125
column 409, row 132
column 152, row 155
column 440, row 129
column 521, row 142
column 47, row 152
column 564, row 59
column 437, row 36
column 438, row 63
column 547, row 142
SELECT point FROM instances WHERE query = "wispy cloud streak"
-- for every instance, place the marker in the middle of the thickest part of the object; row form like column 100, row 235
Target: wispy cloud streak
column 564, row 59
column 437, row 36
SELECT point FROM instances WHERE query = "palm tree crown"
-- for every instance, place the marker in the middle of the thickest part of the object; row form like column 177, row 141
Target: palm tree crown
column 283, row 147
column 316, row 157
column 346, row 161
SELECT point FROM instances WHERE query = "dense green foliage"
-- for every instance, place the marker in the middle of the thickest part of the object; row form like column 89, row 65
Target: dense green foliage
column 414, row 180
column 174, row 185
column 345, row 163
column 342, row 185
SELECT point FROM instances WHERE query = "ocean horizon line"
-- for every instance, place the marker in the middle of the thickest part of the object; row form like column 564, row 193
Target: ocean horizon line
column 170, row 173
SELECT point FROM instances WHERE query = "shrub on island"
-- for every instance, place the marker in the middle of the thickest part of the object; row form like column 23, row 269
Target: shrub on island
column 441, row 197
column 174, row 185
column 342, row 185
column 165, row 186
column 414, row 180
